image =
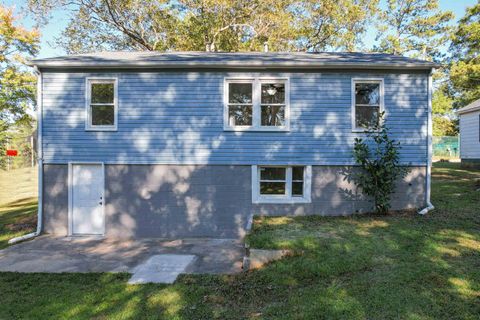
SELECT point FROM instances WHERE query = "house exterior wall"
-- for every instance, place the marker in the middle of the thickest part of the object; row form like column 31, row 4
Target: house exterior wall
column 469, row 137
column 177, row 118
column 172, row 201
column 171, row 170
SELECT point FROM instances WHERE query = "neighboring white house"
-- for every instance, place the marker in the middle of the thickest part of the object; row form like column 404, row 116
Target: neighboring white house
column 470, row 133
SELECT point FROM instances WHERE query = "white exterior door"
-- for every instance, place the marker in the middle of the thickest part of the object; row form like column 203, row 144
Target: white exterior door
column 87, row 214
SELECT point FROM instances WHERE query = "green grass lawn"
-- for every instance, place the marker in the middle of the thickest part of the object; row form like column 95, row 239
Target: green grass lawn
column 364, row 267
column 16, row 219
column 18, row 203
column 18, row 184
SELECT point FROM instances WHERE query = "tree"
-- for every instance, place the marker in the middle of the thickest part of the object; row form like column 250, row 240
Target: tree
column 444, row 126
column 215, row 25
column 444, row 122
column 17, row 86
column 465, row 68
column 379, row 159
column 333, row 24
column 233, row 25
column 119, row 25
column 413, row 27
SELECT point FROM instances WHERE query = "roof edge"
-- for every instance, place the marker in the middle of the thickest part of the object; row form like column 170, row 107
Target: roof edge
column 195, row 65
column 471, row 107
column 460, row 111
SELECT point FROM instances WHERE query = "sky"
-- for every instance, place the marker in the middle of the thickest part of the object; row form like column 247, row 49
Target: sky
column 60, row 19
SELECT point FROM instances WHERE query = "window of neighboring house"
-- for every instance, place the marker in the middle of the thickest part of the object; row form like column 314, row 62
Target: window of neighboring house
column 367, row 103
column 280, row 184
column 256, row 104
column 101, row 104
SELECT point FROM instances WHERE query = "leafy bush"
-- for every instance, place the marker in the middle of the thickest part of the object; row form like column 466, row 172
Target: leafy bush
column 379, row 159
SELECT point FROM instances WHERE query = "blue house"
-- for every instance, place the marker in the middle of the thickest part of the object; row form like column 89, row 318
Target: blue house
column 147, row 144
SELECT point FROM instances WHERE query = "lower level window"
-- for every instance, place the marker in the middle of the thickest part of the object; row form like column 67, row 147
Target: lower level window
column 277, row 184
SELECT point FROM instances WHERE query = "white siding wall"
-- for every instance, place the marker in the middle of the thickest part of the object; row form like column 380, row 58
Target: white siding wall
column 469, row 135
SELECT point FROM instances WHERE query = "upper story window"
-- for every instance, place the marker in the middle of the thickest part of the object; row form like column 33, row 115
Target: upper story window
column 102, row 104
column 367, row 103
column 256, row 104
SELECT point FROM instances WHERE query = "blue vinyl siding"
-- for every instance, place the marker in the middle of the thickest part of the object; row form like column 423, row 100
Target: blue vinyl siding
column 177, row 118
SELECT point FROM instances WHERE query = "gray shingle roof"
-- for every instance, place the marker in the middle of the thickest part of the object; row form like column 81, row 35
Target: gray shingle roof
column 474, row 106
column 143, row 59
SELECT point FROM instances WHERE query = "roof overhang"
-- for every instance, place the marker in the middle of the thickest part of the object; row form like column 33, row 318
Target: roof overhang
column 239, row 60
column 260, row 66
column 472, row 107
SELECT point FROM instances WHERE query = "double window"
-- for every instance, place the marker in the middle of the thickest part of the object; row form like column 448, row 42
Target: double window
column 256, row 104
column 281, row 184
column 367, row 103
column 102, row 104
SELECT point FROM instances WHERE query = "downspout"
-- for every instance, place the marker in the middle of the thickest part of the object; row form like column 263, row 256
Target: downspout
column 429, row 205
column 40, row 163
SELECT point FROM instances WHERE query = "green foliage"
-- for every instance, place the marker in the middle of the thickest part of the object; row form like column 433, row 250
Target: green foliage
column 442, row 104
column 413, row 27
column 216, row 25
column 17, row 86
column 379, row 160
column 465, row 68
column 19, row 137
column 332, row 24
column 444, row 122
column 232, row 25
column 443, row 126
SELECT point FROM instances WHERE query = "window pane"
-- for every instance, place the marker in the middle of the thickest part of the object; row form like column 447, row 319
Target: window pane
column 297, row 173
column 273, row 115
column 272, row 187
column 297, row 189
column 240, row 93
column 272, row 173
column 240, row 115
column 103, row 115
column 273, row 93
column 366, row 117
column 367, row 93
column 102, row 92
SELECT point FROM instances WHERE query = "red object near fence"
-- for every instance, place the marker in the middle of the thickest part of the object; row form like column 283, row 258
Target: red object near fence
column 12, row 153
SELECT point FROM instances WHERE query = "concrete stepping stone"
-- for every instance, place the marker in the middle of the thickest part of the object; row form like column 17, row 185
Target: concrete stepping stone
column 258, row 258
column 161, row 268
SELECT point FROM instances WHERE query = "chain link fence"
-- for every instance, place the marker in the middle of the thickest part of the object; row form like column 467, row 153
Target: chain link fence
column 446, row 147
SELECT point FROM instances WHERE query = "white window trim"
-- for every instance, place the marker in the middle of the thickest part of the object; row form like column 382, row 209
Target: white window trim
column 382, row 101
column 307, row 186
column 256, row 103
column 88, row 115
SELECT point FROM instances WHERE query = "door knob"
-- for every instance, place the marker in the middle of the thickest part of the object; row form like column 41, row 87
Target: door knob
column 100, row 203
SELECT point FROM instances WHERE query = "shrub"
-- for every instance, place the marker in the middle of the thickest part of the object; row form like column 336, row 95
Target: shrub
column 379, row 159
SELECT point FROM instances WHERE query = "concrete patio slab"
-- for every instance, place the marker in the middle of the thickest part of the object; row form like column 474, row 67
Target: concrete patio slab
column 162, row 268
column 61, row 254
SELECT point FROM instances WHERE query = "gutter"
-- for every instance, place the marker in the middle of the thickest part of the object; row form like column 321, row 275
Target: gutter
column 429, row 205
column 40, row 164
